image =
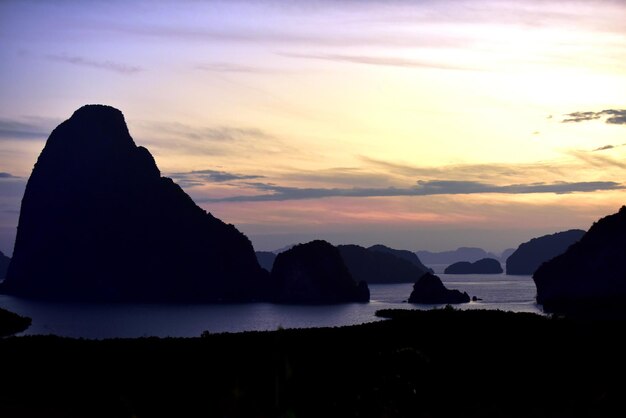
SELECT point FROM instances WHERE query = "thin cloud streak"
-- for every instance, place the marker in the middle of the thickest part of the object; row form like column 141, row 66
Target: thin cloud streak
column 19, row 129
column 423, row 188
column 117, row 67
column 379, row 61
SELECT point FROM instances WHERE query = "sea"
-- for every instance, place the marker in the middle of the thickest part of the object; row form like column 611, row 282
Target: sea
column 100, row 321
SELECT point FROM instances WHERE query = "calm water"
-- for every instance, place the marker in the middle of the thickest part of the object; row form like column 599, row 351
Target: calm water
column 514, row 293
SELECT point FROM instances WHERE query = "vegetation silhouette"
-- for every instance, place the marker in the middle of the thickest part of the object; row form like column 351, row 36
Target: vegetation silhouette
column 441, row 363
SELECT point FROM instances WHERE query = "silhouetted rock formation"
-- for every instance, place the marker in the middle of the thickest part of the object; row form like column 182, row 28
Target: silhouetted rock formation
column 470, row 254
column 374, row 266
column 4, row 265
column 530, row 255
column 11, row 323
column 266, row 259
column 483, row 266
column 404, row 254
column 98, row 222
column 591, row 274
column 315, row 273
column 429, row 289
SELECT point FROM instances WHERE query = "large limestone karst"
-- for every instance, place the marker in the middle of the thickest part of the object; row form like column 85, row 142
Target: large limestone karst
column 98, row 222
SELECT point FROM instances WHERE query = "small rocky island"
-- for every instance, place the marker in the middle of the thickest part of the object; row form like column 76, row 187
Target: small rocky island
column 314, row 273
column 591, row 274
column 430, row 290
column 12, row 323
column 483, row 266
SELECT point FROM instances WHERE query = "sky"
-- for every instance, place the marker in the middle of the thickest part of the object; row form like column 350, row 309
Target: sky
column 416, row 124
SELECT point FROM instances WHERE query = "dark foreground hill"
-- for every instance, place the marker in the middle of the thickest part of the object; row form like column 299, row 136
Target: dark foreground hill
column 419, row 364
column 98, row 222
column 591, row 274
column 530, row 255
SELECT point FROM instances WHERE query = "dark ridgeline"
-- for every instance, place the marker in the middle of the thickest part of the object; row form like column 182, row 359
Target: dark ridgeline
column 373, row 265
column 470, row 254
column 429, row 289
column 266, row 259
column 506, row 254
column 530, row 255
column 4, row 265
column 315, row 273
column 99, row 223
column 482, row 266
column 591, row 274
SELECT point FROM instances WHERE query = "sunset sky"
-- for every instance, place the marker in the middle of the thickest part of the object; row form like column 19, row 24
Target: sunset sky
column 417, row 124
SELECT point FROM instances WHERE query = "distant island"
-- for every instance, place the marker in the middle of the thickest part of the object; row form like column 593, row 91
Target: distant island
column 470, row 254
column 430, row 290
column 99, row 223
column 530, row 255
column 314, row 273
column 379, row 264
column 590, row 276
column 482, row 266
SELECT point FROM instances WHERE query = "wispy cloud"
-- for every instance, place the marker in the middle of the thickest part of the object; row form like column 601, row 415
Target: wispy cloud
column 217, row 133
column 613, row 116
column 373, row 60
column 227, row 67
column 597, row 160
column 4, row 175
column 495, row 171
column 604, row 148
column 423, row 188
column 201, row 177
column 88, row 62
column 28, row 128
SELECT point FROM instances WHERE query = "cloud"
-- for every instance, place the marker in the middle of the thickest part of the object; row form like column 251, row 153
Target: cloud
column 4, row 175
column 217, row 133
column 103, row 65
column 200, row 177
column 596, row 160
column 226, row 67
column 614, row 116
column 32, row 128
column 422, row 188
column 604, row 148
column 495, row 171
column 372, row 60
